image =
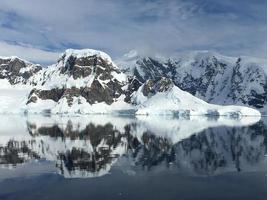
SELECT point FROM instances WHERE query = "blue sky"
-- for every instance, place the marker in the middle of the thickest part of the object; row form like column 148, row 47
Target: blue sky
column 39, row 30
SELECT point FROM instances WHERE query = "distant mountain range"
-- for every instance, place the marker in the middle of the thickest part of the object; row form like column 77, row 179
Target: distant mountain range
column 88, row 81
column 207, row 75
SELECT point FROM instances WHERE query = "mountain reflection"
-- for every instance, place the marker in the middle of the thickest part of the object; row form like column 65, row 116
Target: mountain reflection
column 89, row 147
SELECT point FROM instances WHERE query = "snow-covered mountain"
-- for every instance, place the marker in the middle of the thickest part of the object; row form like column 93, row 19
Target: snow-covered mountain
column 207, row 75
column 83, row 81
column 87, row 81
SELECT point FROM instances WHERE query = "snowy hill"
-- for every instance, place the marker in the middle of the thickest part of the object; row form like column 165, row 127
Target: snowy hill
column 87, row 81
column 163, row 97
column 207, row 75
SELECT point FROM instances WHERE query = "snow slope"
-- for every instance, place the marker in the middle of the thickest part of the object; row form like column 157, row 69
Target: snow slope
column 13, row 97
column 173, row 100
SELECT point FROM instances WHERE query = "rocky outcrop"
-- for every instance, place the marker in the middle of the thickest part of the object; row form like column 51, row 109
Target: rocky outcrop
column 133, row 86
column 153, row 86
column 17, row 71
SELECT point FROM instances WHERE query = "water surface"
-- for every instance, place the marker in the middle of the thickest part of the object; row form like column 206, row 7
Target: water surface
column 111, row 157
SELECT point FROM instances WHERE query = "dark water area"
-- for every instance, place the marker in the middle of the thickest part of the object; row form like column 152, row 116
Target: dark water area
column 108, row 157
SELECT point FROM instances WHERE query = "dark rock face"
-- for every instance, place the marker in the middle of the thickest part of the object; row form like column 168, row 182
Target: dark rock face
column 97, row 93
column 17, row 71
column 133, row 85
column 151, row 87
column 94, row 94
column 149, row 68
column 85, row 66
column 53, row 94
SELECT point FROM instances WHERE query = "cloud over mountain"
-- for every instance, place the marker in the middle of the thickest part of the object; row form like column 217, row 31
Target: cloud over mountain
column 231, row 27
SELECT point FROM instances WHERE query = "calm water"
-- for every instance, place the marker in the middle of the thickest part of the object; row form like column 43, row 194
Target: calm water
column 108, row 157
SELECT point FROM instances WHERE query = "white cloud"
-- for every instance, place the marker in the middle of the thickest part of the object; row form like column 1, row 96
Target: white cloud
column 120, row 25
column 28, row 53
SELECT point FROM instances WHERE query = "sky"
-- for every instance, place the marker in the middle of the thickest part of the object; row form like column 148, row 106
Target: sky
column 40, row 30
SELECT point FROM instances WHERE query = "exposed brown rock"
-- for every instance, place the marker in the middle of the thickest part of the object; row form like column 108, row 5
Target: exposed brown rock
column 151, row 87
column 16, row 70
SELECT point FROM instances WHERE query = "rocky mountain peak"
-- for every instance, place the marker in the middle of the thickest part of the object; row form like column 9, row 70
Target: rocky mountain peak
column 84, row 53
column 83, row 63
column 16, row 70
column 81, row 76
